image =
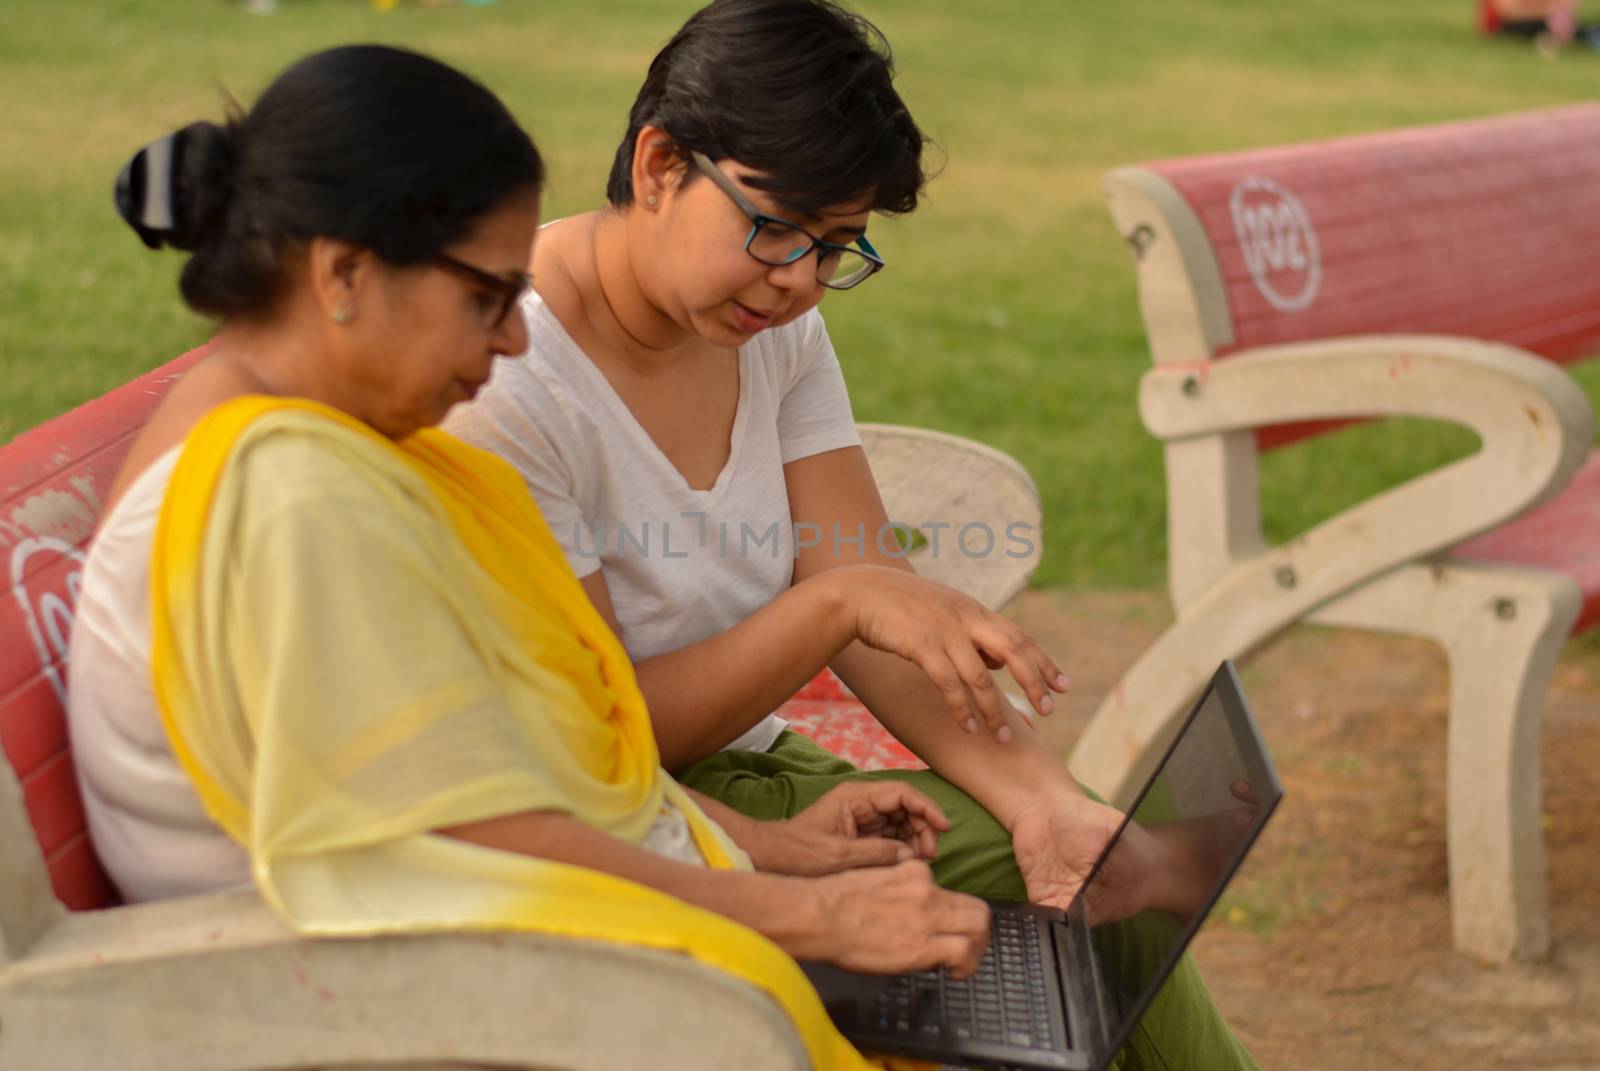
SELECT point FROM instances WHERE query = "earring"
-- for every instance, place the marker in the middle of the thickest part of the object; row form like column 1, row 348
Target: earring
column 650, row 200
column 341, row 315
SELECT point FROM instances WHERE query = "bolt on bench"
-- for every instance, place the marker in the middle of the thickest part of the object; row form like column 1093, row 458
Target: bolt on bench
column 216, row 983
column 1444, row 272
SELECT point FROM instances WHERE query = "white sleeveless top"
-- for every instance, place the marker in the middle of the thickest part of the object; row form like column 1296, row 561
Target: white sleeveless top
column 145, row 818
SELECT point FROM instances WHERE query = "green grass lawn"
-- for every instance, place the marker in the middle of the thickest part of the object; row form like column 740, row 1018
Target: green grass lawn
column 1008, row 313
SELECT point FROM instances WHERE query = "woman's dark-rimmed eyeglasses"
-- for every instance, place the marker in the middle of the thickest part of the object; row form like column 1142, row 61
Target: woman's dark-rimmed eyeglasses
column 506, row 289
column 777, row 242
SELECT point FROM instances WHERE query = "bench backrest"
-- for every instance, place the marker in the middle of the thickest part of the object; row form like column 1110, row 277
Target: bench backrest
column 52, row 481
column 1488, row 229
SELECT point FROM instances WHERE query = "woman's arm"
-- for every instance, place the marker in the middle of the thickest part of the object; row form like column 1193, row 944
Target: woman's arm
column 1008, row 778
column 1058, row 832
column 705, row 694
column 881, row 919
column 854, row 824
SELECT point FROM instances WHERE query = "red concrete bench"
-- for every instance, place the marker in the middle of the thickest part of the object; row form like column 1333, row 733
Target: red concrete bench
column 1445, row 272
column 51, row 482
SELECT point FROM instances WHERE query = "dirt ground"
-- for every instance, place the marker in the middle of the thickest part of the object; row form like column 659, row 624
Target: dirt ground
column 1332, row 950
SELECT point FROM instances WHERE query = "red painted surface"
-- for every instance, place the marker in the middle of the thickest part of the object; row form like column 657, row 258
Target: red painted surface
column 1563, row 534
column 1489, row 20
column 90, row 440
column 32, row 730
column 80, row 881
column 1488, row 229
column 52, row 482
column 54, row 806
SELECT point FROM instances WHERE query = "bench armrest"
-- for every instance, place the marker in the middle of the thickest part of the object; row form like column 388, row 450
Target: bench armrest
column 28, row 906
column 930, row 478
column 218, row 983
column 1535, row 424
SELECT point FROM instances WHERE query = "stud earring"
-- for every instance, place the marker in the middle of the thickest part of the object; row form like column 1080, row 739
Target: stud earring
column 650, row 200
column 341, row 315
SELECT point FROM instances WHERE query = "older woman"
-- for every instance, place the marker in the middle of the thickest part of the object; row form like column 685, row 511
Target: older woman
column 327, row 649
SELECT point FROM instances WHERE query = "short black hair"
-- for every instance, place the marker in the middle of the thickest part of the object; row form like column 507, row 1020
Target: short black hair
column 378, row 146
column 800, row 90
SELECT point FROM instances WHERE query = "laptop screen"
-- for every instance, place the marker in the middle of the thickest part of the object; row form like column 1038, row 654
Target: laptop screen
column 1202, row 808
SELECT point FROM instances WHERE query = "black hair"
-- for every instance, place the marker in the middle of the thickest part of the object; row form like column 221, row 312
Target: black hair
column 373, row 145
column 800, row 90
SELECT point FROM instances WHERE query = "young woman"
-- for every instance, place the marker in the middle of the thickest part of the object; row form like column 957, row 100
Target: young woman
column 326, row 649
column 680, row 400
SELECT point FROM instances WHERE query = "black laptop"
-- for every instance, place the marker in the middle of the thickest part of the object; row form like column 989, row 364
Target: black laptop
column 1052, row 990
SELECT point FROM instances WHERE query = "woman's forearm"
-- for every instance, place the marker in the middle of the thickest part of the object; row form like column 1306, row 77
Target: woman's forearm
column 772, row 905
column 1006, row 778
column 879, row 918
column 708, row 693
column 743, row 830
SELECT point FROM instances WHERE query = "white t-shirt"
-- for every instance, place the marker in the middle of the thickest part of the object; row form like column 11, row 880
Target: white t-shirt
column 681, row 565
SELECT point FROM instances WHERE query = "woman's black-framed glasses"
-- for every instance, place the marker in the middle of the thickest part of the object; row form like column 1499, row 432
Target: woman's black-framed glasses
column 777, row 242
column 507, row 289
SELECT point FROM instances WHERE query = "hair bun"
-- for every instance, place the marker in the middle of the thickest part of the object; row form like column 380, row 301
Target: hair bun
column 175, row 189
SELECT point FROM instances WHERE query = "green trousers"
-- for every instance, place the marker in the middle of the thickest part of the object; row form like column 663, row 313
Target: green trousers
column 1181, row 1029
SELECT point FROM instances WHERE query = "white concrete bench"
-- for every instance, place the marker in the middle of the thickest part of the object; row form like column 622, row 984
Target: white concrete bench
column 1445, row 272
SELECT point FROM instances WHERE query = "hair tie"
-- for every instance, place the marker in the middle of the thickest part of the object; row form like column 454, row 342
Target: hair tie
column 170, row 199
column 145, row 192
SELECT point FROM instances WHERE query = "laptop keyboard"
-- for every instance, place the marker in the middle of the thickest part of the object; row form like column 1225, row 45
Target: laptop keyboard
column 1004, row 1002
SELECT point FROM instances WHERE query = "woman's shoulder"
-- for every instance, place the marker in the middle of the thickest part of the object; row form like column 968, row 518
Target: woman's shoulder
column 562, row 256
column 120, row 553
column 802, row 335
column 291, row 455
column 793, row 350
column 537, row 406
column 557, row 299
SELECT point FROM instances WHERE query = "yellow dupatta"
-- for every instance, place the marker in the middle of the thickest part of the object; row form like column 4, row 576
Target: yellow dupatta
column 449, row 668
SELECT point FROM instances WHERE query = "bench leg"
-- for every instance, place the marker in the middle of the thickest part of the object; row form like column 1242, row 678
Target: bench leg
column 1502, row 628
column 1134, row 723
column 1500, row 665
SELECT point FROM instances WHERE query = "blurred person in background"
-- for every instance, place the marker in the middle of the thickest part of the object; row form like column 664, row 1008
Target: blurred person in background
column 1551, row 25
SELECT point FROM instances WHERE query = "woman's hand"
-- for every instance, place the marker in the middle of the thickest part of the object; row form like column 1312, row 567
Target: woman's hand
column 1057, row 844
column 1172, row 866
column 857, row 824
column 885, row 920
column 955, row 639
